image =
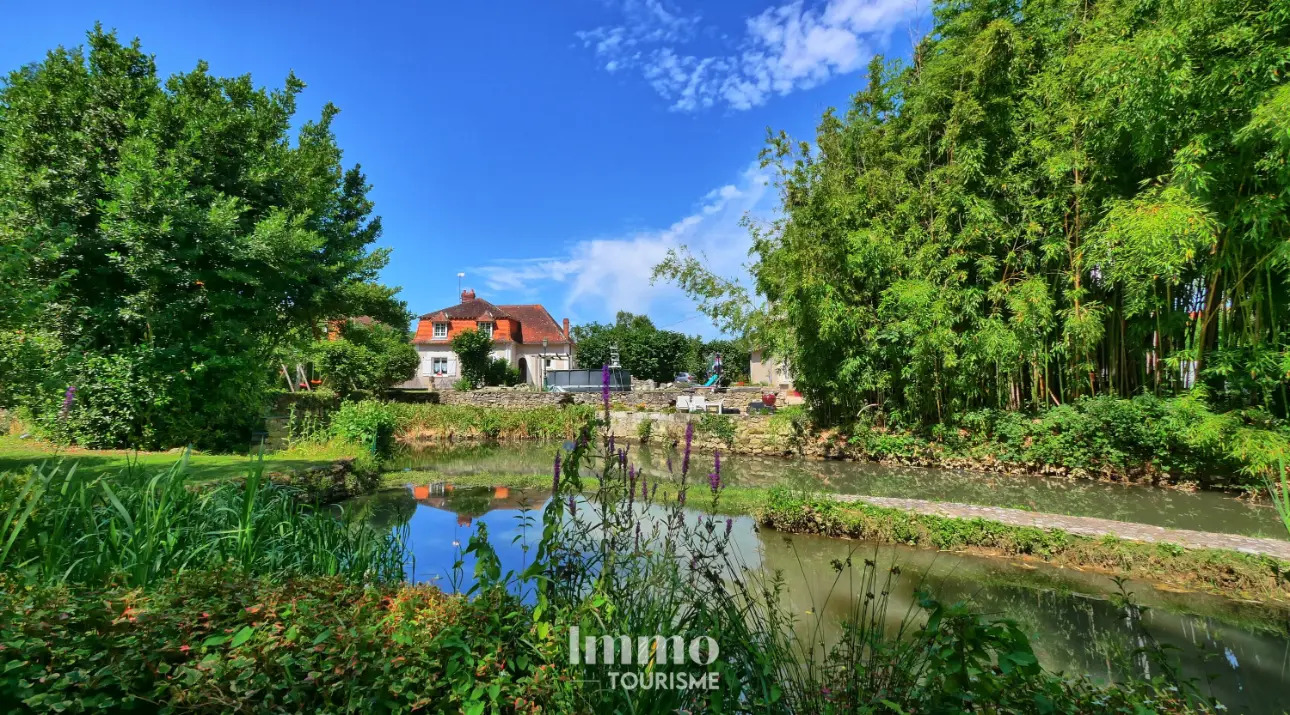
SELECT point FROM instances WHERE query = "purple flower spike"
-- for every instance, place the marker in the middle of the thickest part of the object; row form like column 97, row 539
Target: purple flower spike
column 730, row 524
column 622, row 458
column 611, row 444
column 638, row 536
column 714, row 481
column 689, row 439
column 573, row 507
column 69, row 398
column 604, row 389
column 555, row 479
column 644, row 488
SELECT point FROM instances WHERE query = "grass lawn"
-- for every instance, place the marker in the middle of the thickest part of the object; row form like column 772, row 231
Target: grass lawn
column 17, row 454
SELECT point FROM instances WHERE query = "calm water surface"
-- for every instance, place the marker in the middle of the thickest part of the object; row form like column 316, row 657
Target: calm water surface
column 1202, row 510
column 1238, row 652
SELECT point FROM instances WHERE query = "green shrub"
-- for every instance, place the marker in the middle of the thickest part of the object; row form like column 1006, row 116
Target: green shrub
column 218, row 642
column 369, row 423
column 645, row 430
column 722, row 427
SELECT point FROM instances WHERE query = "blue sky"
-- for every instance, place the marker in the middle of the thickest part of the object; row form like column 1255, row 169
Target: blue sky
column 552, row 151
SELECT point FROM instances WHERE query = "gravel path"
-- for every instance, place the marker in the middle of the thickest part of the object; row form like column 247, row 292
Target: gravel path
column 1085, row 525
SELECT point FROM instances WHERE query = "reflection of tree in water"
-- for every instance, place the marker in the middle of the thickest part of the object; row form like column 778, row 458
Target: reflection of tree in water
column 383, row 510
column 472, row 502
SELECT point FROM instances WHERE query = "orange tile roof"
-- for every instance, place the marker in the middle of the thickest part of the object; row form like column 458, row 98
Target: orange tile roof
column 536, row 324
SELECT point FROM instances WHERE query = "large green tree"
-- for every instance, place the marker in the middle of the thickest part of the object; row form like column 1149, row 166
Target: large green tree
column 172, row 237
column 1051, row 199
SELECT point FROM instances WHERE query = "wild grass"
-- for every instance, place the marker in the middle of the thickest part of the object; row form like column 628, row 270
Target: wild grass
column 139, row 526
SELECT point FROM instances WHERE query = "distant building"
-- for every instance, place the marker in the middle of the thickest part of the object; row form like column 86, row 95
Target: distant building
column 771, row 372
column 526, row 336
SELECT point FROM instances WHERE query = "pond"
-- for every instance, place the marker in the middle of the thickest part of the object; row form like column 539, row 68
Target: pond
column 1200, row 510
column 1235, row 651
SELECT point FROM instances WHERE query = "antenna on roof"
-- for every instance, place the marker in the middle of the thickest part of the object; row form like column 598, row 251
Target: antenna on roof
column 459, row 277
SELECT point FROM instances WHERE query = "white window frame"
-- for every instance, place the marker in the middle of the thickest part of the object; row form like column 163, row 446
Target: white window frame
column 440, row 331
column 485, row 328
column 440, row 366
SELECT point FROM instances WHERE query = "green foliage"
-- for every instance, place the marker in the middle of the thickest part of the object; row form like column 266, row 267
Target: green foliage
column 430, row 420
column 646, row 352
column 365, row 360
column 371, row 423
column 219, row 642
column 722, row 427
column 500, row 372
column 1051, row 200
column 168, row 239
column 1279, row 491
column 474, row 353
column 138, row 527
column 645, row 430
column 1103, row 436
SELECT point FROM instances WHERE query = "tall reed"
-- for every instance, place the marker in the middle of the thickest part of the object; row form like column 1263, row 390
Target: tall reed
column 136, row 527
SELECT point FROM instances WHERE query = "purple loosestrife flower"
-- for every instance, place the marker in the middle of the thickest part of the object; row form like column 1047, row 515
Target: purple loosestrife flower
column 622, row 458
column 689, row 439
column 730, row 524
column 714, row 481
column 604, row 389
column 638, row 536
column 644, row 488
column 69, row 398
column 611, row 444
column 555, row 479
column 573, row 507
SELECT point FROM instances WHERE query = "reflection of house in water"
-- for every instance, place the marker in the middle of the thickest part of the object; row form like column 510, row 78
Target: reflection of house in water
column 471, row 502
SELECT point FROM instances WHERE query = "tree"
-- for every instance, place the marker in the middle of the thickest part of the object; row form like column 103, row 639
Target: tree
column 365, row 360
column 171, row 239
column 646, row 352
column 1052, row 200
column 474, row 353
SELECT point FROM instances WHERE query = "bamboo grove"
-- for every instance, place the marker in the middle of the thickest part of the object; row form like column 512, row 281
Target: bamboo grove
column 1050, row 199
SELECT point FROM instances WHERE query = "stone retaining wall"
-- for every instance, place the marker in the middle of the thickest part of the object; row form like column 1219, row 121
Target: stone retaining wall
column 752, row 434
column 640, row 400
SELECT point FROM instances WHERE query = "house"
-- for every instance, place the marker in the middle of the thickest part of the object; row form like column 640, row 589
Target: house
column 763, row 370
column 526, row 336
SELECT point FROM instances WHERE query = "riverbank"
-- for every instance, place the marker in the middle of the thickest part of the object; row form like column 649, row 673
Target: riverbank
column 18, row 454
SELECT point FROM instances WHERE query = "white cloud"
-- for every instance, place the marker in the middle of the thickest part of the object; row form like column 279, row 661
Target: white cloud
column 783, row 49
column 599, row 277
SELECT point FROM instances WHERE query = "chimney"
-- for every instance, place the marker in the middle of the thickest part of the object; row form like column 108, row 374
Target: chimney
column 566, row 328
column 468, row 294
